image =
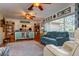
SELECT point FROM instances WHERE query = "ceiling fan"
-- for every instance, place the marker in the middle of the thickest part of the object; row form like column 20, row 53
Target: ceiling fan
column 27, row 15
column 37, row 5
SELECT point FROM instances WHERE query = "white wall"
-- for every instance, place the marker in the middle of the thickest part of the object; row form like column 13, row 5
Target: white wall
column 18, row 24
column 72, row 11
column 1, row 32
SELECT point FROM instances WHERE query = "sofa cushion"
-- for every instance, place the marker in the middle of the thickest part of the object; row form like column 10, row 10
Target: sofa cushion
column 56, row 51
column 51, row 34
column 49, row 38
column 60, row 37
column 57, row 34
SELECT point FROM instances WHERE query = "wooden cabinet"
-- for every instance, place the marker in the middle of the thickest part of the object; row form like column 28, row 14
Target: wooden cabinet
column 37, row 32
column 9, row 31
column 12, row 38
column 18, row 35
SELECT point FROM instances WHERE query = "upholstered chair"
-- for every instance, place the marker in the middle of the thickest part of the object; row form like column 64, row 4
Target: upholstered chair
column 4, row 51
column 69, row 48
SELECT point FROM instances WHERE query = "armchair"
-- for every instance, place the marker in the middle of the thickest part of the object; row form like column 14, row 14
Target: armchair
column 66, row 50
column 4, row 51
column 69, row 48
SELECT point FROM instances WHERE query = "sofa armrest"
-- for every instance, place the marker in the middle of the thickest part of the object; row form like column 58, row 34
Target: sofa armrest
column 4, row 51
column 61, row 40
column 56, row 51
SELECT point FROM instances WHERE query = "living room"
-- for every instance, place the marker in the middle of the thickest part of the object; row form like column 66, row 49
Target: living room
column 36, row 27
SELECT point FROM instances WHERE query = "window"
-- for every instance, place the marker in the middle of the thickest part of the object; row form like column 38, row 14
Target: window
column 62, row 24
column 70, row 23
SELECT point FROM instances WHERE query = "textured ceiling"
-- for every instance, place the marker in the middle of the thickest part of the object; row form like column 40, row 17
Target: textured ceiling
column 12, row 9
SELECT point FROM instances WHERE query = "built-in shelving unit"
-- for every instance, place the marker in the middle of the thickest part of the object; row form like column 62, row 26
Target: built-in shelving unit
column 9, row 31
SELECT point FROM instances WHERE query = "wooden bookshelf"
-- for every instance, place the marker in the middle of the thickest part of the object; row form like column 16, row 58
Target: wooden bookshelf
column 9, row 31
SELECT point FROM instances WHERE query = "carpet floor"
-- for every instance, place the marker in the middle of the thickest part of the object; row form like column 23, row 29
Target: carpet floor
column 26, row 48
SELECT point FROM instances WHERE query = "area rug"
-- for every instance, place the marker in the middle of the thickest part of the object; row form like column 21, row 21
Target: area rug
column 26, row 48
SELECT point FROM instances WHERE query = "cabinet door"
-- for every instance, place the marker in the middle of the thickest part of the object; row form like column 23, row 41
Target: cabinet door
column 31, row 35
column 18, row 35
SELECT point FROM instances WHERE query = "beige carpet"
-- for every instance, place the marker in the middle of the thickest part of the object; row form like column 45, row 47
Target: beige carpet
column 26, row 48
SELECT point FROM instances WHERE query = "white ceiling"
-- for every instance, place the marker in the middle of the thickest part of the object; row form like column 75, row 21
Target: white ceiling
column 11, row 9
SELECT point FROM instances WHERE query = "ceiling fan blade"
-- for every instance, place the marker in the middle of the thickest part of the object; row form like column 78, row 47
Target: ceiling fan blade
column 33, row 16
column 47, row 3
column 40, row 7
column 31, row 7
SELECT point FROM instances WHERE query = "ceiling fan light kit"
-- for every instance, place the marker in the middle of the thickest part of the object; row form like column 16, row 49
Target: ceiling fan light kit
column 37, row 5
column 28, row 17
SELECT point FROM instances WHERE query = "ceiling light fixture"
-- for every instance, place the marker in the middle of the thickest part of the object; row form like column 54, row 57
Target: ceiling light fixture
column 28, row 14
column 36, row 4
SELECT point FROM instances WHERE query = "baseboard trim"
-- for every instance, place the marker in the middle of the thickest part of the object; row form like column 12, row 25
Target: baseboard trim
column 23, row 39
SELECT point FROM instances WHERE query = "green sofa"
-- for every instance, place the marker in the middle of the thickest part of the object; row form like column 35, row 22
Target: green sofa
column 56, row 38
